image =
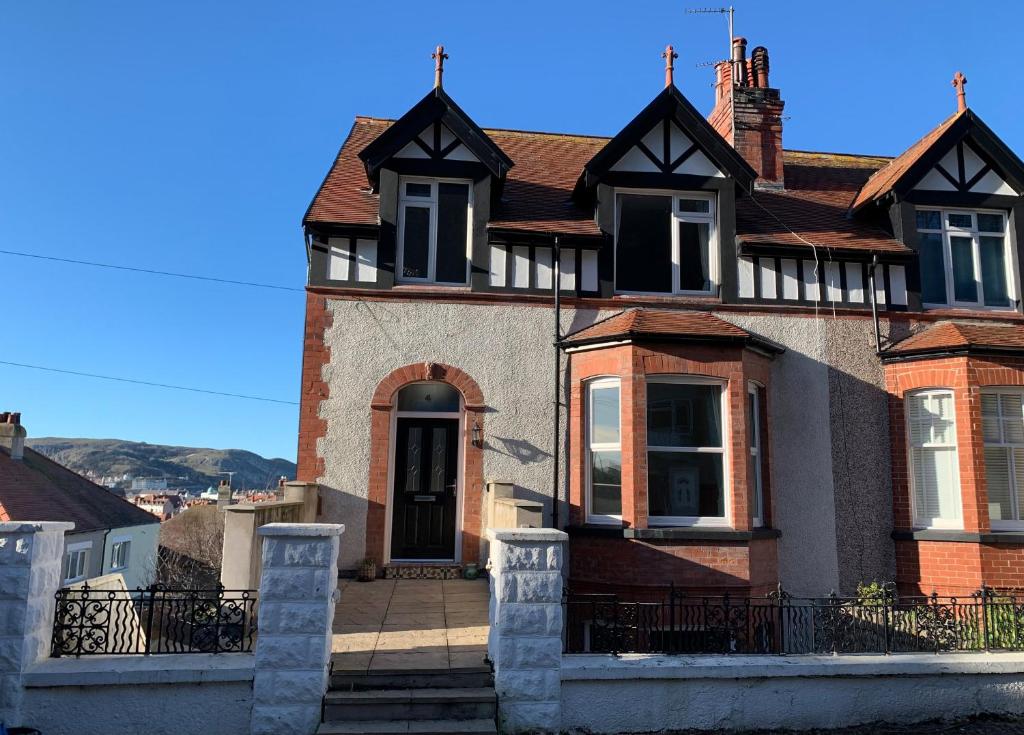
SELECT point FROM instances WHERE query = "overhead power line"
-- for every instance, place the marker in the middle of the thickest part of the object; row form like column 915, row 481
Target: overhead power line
column 147, row 383
column 149, row 271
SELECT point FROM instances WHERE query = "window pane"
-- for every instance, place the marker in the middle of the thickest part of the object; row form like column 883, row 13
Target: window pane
column 428, row 397
column 683, row 415
column 752, row 420
column 604, row 419
column 695, row 205
column 964, row 286
column 990, row 417
column 961, row 220
column 643, row 250
column 990, row 222
column 416, row 245
column 993, row 271
column 438, row 460
column 928, row 220
column 935, row 484
column 933, row 270
column 413, row 458
column 930, row 417
column 1018, row 479
column 997, row 480
column 606, row 483
column 417, row 190
column 1013, row 417
column 694, row 247
column 452, row 218
column 685, row 484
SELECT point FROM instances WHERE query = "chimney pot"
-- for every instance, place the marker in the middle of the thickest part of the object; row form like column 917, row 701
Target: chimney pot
column 759, row 62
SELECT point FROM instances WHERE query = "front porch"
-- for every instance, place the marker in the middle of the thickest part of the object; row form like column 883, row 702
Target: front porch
column 410, row 625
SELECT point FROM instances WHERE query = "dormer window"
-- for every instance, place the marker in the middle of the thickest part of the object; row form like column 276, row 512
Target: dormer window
column 433, row 231
column 666, row 243
column 964, row 259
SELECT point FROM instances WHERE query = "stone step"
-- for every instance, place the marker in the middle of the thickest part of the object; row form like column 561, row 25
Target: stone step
column 475, row 676
column 410, row 727
column 411, row 704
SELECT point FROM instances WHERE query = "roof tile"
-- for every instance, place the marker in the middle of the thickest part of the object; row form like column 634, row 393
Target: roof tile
column 653, row 322
column 944, row 336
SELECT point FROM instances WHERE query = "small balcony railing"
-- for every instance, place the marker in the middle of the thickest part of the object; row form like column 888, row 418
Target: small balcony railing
column 882, row 622
column 154, row 620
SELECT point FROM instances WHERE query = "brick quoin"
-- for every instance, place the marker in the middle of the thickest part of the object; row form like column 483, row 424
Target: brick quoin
column 951, row 567
column 381, row 406
column 315, row 355
column 599, row 561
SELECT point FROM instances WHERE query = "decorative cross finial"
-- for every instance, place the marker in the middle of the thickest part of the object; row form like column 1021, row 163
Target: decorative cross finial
column 438, row 56
column 669, row 55
column 959, row 82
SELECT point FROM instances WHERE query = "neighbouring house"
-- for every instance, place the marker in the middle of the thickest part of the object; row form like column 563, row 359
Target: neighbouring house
column 163, row 505
column 110, row 535
column 723, row 410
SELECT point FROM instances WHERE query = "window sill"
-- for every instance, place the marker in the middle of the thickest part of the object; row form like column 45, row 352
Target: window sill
column 964, row 537
column 690, row 533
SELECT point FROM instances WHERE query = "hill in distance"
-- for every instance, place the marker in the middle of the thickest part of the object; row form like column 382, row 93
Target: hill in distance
column 182, row 466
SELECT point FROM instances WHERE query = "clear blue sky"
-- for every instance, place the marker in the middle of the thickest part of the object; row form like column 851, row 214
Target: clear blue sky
column 190, row 136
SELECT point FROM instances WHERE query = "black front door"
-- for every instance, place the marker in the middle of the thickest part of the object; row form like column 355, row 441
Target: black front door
column 425, row 493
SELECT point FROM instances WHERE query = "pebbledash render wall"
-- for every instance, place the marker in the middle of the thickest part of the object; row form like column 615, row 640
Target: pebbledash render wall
column 829, row 441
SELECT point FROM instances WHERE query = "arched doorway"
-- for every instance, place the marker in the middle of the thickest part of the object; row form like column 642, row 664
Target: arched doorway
column 425, row 498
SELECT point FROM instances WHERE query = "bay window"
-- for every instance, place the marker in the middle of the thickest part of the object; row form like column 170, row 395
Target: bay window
column 604, row 451
column 1002, row 421
column 433, row 231
column 964, row 259
column 666, row 243
column 934, row 469
column 685, row 451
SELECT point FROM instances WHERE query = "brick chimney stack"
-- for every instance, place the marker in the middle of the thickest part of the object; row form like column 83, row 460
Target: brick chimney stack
column 12, row 434
column 748, row 113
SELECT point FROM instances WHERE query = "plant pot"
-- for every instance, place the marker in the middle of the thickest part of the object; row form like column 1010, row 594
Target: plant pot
column 471, row 571
column 367, row 571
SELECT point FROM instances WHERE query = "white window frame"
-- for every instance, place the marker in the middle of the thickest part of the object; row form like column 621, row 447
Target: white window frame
column 724, row 521
column 710, row 218
column 430, row 203
column 77, row 550
column 975, row 235
column 591, row 385
column 918, row 521
column 1015, row 503
column 115, row 545
column 757, row 495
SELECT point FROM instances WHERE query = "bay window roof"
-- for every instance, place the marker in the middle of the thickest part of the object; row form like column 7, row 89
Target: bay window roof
column 666, row 325
column 960, row 338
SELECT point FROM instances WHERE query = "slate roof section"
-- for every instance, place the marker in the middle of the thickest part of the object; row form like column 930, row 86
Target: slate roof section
column 38, row 489
column 961, row 337
column 667, row 325
column 538, row 193
column 883, row 180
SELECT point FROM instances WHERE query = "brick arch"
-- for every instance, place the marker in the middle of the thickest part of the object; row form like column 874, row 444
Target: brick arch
column 472, row 396
column 379, row 492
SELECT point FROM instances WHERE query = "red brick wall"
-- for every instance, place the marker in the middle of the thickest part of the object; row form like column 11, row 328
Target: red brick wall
column 315, row 354
column 635, row 567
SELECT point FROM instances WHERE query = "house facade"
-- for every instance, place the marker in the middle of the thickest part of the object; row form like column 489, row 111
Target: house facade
column 760, row 365
column 110, row 536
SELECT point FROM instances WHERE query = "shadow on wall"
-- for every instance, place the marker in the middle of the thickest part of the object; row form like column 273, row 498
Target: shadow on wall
column 519, row 449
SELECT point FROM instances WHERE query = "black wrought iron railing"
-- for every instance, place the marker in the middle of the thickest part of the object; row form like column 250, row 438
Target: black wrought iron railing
column 154, row 620
column 780, row 624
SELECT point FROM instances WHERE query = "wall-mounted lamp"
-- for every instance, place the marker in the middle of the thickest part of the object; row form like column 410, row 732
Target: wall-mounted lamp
column 478, row 434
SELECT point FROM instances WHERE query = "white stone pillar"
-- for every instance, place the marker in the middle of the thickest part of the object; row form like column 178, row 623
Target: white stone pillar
column 525, row 643
column 31, row 553
column 296, row 610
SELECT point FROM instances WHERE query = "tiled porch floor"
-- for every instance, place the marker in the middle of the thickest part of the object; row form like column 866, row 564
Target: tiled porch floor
column 391, row 624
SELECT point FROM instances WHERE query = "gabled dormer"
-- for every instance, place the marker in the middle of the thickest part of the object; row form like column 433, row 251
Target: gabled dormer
column 432, row 176
column 955, row 197
column 664, row 189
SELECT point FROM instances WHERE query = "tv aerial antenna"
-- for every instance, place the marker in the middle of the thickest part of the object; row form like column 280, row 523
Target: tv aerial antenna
column 730, row 12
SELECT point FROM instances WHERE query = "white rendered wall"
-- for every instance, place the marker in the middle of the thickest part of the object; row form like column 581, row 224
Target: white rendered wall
column 647, row 693
column 141, row 570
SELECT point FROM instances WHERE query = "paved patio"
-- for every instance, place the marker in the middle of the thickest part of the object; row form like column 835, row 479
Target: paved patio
column 410, row 624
